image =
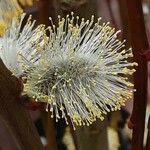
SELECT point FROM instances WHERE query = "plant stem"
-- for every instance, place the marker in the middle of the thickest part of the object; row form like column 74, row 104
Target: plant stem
column 14, row 114
column 139, row 44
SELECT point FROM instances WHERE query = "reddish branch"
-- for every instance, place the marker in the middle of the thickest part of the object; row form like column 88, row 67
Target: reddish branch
column 140, row 45
column 111, row 13
column 124, row 21
column 46, row 9
column 13, row 113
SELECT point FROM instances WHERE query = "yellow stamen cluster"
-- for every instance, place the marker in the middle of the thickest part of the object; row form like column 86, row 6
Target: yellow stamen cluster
column 10, row 9
column 3, row 28
column 26, row 2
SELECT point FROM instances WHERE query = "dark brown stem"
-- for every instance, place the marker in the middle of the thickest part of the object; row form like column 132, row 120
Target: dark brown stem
column 124, row 22
column 148, row 136
column 50, row 130
column 14, row 115
column 111, row 13
column 46, row 9
column 140, row 44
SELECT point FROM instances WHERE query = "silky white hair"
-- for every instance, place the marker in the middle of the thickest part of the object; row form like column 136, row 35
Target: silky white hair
column 19, row 43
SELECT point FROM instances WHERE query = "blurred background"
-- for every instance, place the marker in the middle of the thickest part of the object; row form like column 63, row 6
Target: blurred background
column 112, row 133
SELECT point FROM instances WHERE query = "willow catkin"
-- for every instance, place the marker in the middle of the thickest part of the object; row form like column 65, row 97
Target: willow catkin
column 10, row 9
column 20, row 42
column 82, row 72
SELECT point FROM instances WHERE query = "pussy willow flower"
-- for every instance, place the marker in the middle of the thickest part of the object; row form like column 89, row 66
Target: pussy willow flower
column 19, row 42
column 8, row 10
column 82, row 72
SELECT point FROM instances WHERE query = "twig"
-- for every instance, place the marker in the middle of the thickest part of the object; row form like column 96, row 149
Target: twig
column 140, row 45
column 13, row 113
column 46, row 10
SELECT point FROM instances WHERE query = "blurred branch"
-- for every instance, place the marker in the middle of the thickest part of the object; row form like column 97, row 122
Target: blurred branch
column 124, row 22
column 14, row 115
column 95, row 136
column 50, row 130
column 140, row 45
column 111, row 13
column 46, row 9
column 82, row 8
